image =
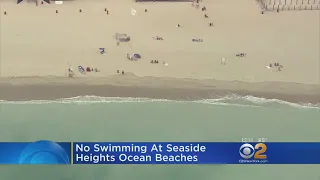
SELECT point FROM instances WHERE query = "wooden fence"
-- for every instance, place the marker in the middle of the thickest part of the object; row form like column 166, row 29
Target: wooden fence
column 289, row 5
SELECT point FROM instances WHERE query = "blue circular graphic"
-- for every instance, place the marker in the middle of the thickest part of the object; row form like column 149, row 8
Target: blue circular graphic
column 44, row 152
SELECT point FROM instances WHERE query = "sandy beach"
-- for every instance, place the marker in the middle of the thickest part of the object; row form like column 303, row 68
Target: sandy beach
column 38, row 43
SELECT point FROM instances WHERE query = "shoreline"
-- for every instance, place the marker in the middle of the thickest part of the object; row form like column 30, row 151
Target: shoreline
column 52, row 88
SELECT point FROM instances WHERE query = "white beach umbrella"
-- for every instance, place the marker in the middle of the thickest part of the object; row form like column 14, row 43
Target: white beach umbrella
column 133, row 12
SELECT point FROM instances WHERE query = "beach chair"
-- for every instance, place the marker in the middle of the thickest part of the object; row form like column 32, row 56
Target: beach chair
column 81, row 70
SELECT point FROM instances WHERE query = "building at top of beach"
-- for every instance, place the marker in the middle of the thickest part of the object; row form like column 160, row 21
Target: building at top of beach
column 36, row 1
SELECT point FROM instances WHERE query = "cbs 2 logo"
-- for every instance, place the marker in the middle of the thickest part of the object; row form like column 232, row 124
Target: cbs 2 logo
column 247, row 151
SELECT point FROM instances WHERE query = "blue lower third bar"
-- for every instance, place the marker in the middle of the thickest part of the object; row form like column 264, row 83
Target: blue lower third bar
column 48, row 152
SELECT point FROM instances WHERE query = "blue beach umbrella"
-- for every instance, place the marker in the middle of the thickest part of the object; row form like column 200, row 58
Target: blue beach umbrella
column 102, row 50
column 137, row 56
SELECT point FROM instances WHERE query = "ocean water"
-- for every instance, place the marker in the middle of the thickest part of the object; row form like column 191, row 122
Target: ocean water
column 92, row 118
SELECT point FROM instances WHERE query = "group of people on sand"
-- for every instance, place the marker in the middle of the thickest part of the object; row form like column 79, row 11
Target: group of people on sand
column 154, row 62
column 241, row 55
column 122, row 72
column 158, row 38
column 106, row 10
column 204, row 8
column 89, row 69
column 82, row 70
column 276, row 65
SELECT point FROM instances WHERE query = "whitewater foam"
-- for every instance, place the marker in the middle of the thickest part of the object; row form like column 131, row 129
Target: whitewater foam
column 234, row 98
column 229, row 100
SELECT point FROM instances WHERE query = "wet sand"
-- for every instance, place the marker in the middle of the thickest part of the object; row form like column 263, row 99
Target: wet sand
column 37, row 88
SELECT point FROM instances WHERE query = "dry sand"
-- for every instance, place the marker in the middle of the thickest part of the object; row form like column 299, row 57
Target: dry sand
column 38, row 43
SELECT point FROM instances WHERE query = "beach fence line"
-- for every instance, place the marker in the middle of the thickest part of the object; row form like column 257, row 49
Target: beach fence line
column 289, row 5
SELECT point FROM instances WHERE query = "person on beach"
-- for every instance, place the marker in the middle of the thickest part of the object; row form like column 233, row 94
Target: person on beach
column 223, row 61
column 106, row 10
column 70, row 71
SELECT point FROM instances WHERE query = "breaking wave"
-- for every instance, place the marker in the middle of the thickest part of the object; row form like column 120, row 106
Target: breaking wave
column 230, row 100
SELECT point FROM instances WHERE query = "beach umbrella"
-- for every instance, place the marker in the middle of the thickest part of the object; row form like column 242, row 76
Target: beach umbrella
column 81, row 70
column 102, row 50
column 137, row 56
column 133, row 12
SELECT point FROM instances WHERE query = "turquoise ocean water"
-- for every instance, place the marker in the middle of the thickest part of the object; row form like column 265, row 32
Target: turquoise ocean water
column 129, row 119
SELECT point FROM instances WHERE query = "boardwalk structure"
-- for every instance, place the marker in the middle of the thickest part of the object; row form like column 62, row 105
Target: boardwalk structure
column 289, row 5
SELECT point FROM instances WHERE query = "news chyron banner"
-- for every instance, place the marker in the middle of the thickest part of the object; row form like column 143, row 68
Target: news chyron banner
column 67, row 153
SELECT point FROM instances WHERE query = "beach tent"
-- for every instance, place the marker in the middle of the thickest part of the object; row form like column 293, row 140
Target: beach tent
column 122, row 37
column 47, row 1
